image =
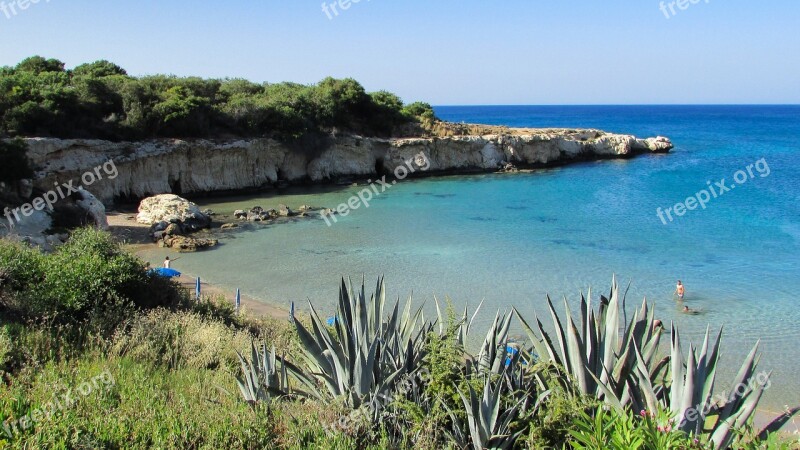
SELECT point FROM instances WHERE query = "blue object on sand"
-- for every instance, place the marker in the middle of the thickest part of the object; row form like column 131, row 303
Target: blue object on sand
column 291, row 313
column 238, row 299
column 197, row 289
column 331, row 321
column 168, row 273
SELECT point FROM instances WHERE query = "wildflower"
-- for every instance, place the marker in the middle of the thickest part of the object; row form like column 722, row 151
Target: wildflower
column 643, row 413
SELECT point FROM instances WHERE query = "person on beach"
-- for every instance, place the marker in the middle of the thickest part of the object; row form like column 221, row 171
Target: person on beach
column 680, row 290
column 168, row 262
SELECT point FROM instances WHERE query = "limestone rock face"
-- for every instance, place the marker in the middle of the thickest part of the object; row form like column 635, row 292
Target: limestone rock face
column 658, row 144
column 172, row 209
column 94, row 208
column 197, row 166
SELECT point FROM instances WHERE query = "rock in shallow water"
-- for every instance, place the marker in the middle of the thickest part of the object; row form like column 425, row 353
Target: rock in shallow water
column 187, row 244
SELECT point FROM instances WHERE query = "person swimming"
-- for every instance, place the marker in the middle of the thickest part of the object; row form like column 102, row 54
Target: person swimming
column 687, row 310
column 680, row 290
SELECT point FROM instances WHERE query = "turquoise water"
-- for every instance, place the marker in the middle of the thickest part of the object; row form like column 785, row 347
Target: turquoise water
column 510, row 239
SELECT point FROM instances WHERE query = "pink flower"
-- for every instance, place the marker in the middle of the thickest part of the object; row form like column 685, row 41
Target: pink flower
column 668, row 428
column 660, row 429
column 643, row 413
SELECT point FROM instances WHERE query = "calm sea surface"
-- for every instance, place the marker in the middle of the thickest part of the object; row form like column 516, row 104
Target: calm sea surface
column 511, row 239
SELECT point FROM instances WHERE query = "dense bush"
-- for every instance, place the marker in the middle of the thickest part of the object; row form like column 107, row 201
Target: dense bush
column 181, row 340
column 5, row 349
column 87, row 276
column 100, row 100
column 14, row 163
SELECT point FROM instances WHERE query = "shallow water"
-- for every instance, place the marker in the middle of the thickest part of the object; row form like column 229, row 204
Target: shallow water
column 511, row 239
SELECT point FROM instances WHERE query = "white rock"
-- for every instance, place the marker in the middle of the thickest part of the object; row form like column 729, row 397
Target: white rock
column 172, row 208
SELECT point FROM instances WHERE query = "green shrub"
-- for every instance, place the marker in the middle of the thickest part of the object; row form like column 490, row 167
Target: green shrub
column 88, row 276
column 613, row 430
column 21, row 267
column 5, row 349
column 426, row 416
column 550, row 425
column 181, row 340
column 100, row 100
column 14, row 163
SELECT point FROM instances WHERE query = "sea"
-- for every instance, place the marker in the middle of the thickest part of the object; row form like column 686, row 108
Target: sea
column 721, row 213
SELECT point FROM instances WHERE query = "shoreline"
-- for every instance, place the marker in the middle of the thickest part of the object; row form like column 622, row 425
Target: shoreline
column 134, row 237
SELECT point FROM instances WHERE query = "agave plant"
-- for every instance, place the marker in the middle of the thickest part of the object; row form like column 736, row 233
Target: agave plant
column 265, row 375
column 369, row 352
column 624, row 369
column 690, row 393
column 599, row 360
column 490, row 416
column 493, row 354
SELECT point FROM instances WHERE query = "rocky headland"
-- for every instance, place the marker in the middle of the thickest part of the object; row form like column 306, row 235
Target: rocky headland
column 132, row 171
column 197, row 167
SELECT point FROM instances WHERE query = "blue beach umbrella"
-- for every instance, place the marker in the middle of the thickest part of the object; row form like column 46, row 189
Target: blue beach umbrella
column 197, row 289
column 238, row 299
column 167, row 273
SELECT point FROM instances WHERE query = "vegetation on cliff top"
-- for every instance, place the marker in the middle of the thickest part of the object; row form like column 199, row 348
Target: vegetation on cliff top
column 39, row 97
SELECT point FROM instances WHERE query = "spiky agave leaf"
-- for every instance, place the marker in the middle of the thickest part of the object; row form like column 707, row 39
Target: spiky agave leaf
column 370, row 350
column 265, row 375
column 487, row 426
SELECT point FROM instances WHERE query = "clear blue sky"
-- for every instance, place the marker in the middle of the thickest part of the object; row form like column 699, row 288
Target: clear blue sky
column 441, row 51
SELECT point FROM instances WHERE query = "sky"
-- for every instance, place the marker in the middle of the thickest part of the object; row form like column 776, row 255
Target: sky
column 445, row 52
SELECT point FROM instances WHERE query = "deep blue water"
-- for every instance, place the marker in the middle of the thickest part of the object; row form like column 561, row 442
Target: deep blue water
column 510, row 239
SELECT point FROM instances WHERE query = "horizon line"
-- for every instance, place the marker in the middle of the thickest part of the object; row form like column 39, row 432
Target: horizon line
column 611, row 104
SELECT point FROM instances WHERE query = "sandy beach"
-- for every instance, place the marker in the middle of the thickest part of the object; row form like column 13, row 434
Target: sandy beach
column 124, row 227
column 134, row 236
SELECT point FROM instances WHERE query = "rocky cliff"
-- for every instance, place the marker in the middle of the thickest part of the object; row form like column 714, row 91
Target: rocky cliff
column 204, row 166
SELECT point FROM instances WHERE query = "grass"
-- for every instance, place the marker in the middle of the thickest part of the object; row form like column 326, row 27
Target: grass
column 138, row 375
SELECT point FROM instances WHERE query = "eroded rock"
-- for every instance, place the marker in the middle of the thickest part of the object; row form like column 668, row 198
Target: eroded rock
column 187, row 244
column 173, row 209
